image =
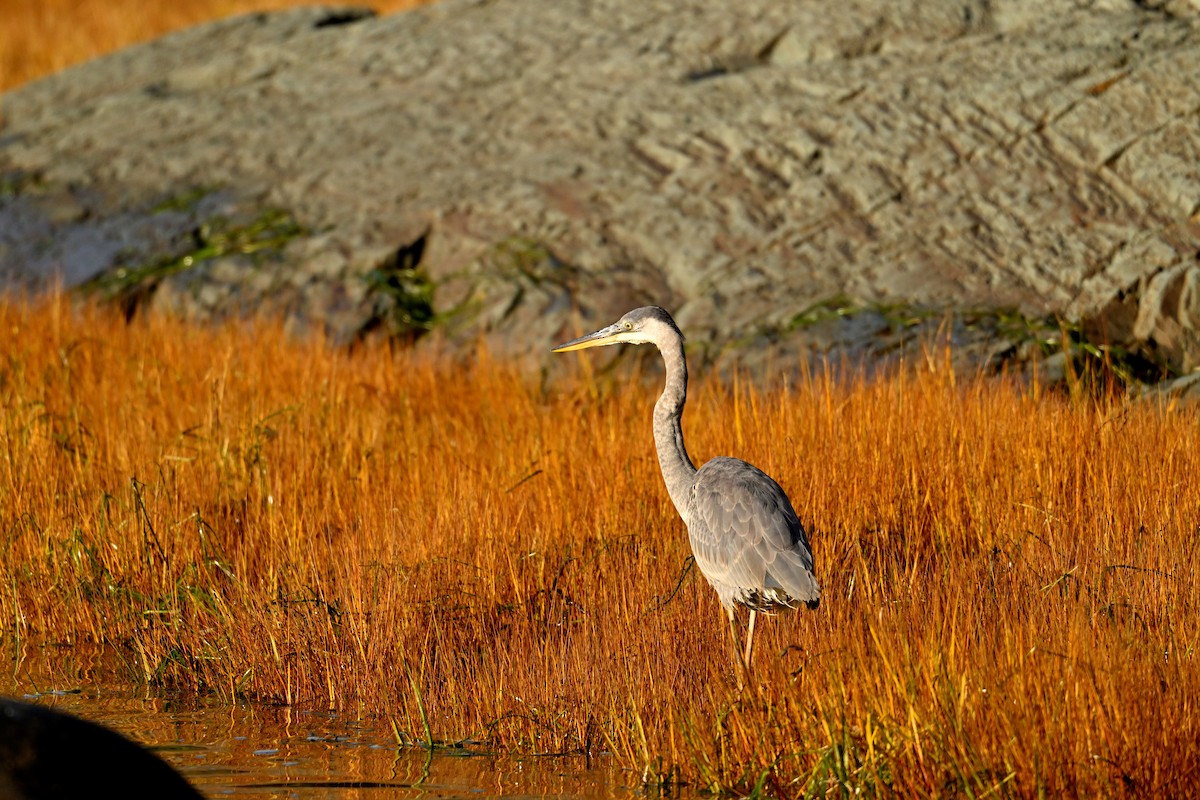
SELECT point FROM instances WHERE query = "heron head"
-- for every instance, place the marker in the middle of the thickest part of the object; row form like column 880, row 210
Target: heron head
column 649, row 324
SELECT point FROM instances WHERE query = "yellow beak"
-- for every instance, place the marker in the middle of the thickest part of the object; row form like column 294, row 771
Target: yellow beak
column 610, row 335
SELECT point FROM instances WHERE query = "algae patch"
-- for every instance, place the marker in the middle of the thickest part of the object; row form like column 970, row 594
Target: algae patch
column 401, row 293
column 993, row 339
column 261, row 237
column 516, row 275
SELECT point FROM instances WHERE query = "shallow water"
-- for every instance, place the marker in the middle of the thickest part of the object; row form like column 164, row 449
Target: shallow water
column 255, row 751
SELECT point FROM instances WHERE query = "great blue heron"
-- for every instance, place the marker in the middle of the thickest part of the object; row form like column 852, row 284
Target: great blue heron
column 745, row 535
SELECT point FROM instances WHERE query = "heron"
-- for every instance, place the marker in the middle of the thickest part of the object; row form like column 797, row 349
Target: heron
column 745, row 535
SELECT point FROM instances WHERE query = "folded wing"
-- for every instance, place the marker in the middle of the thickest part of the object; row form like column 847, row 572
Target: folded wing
column 746, row 538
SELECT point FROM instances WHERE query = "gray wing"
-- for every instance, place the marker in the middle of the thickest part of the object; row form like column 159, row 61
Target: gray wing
column 747, row 539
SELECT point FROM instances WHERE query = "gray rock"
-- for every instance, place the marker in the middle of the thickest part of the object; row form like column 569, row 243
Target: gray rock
column 1184, row 389
column 529, row 169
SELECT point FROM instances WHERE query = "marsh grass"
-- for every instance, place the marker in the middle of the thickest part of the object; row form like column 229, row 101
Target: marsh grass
column 38, row 38
column 481, row 558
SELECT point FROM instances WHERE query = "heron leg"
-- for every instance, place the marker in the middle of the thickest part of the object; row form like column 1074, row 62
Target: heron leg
column 743, row 668
column 749, row 641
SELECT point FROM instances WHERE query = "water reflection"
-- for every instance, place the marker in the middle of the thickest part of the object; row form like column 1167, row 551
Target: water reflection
column 269, row 752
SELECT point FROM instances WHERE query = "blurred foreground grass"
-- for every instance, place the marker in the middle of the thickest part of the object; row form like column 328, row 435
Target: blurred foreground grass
column 38, row 37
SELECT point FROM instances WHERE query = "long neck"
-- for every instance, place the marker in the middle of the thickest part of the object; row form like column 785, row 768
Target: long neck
column 677, row 469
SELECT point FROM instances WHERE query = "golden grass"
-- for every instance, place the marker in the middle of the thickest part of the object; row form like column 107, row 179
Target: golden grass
column 38, row 37
column 1009, row 601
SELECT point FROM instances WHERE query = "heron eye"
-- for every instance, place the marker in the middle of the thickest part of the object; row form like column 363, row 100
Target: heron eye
column 627, row 325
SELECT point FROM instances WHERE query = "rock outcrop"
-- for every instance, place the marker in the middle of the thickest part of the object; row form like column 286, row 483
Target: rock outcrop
column 779, row 174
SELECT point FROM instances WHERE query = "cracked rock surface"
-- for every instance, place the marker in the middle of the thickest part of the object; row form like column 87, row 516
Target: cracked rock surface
column 524, row 169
